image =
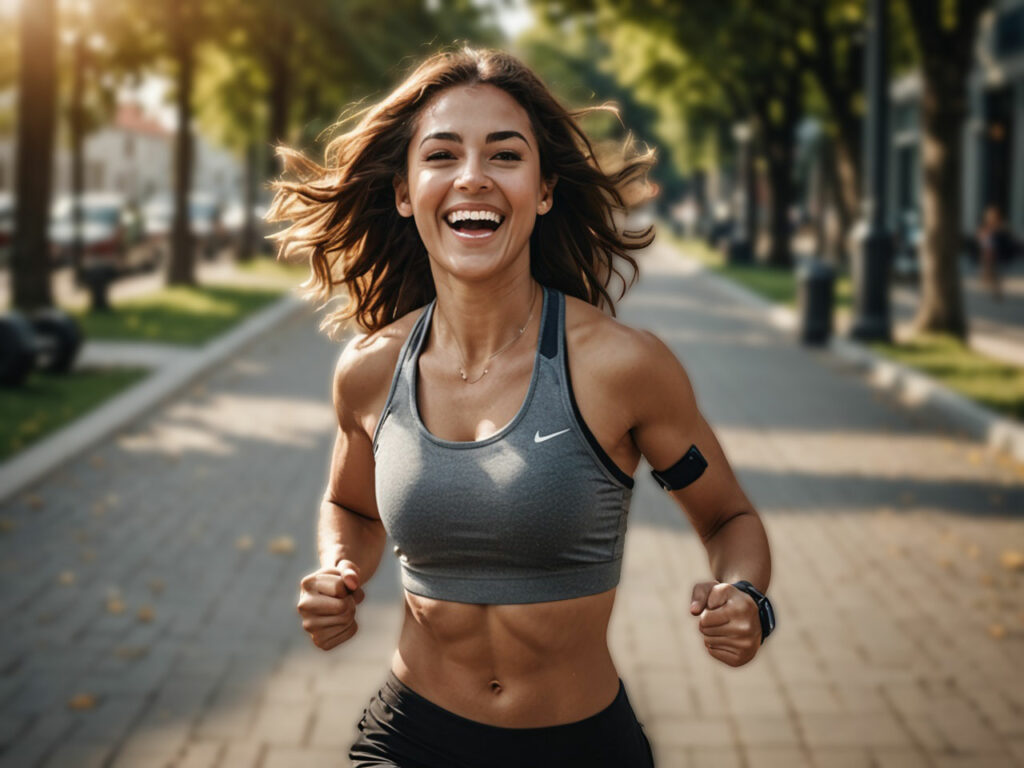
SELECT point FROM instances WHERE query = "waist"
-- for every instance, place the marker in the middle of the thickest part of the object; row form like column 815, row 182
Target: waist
column 514, row 666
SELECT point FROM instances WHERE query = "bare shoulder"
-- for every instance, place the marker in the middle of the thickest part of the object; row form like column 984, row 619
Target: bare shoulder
column 612, row 350
column 362, row 376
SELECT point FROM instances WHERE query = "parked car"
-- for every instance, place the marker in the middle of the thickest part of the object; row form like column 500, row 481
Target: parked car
column 112, row 233
column 233, row 221
column 204, row 219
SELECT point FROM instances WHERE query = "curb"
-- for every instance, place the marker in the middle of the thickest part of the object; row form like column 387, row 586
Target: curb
column 910, row 387
column 170, row 376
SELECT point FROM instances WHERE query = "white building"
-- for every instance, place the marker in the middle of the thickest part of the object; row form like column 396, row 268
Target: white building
column 134, row 156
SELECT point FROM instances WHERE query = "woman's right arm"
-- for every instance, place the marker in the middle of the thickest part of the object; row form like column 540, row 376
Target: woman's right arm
column 350, row 535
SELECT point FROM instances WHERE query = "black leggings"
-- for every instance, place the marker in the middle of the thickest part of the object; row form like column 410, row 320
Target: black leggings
column 401, row 728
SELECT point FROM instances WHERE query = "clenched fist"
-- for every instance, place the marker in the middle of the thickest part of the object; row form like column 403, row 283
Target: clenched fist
column 728, row 621
column 327, row 604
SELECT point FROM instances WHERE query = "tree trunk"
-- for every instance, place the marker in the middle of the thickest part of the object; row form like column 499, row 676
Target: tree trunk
column 280, row 94
column 182, row 267
column 946, row 55
column 77, row 131
column 37, row 83
column 780, row 178
column 247, row 240
column 943, row 109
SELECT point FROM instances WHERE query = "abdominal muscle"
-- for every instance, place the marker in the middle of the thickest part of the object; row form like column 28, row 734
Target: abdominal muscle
column 527, row 665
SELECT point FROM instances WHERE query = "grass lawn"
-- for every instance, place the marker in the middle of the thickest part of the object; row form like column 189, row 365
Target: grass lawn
column 177, row 315
column 991, row 383
column 777, row 284
column 47, row 402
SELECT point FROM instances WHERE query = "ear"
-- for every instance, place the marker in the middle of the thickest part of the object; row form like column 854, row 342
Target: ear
column 402, row 202
column 547, row 189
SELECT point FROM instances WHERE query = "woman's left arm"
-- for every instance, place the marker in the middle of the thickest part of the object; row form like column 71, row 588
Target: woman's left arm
column 667, row 423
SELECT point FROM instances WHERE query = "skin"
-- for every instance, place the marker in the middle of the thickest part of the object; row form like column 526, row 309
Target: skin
column 536, row 664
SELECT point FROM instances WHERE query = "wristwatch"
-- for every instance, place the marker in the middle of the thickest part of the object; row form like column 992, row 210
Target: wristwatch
column 764, row 607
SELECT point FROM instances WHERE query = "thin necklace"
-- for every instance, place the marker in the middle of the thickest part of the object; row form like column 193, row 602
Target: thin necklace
column 519, row 335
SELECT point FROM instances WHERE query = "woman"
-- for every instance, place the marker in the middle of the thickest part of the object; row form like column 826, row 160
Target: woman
column 995, row 248
column 491, row 420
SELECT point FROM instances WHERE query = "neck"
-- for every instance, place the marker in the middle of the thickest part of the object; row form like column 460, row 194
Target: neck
column 478, row 321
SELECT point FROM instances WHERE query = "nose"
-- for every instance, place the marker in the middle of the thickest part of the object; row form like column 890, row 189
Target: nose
column 472, row 177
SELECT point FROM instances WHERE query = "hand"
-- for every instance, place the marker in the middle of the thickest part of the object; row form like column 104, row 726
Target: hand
column 728, row 620
column 327, row 604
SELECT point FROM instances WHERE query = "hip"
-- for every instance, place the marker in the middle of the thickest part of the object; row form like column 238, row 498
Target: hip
column 400, row 727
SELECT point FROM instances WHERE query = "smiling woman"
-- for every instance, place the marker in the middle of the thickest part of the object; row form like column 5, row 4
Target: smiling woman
column 490, row 422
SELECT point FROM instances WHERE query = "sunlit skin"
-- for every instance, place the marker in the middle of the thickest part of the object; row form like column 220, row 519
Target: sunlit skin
column 535, row 664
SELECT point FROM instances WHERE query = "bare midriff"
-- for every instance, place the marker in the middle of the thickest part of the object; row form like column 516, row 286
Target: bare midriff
column 528, row 665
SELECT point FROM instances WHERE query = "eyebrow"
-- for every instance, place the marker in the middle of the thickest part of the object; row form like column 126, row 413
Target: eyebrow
column 491, row 137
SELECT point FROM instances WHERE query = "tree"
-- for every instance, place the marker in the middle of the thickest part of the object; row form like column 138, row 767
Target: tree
column 945, row 34
column 37, row 96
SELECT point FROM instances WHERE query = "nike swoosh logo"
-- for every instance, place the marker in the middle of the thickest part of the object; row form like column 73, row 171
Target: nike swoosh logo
column 537, row 438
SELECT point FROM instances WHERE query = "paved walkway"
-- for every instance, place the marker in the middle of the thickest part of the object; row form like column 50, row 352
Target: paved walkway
column 147, row 589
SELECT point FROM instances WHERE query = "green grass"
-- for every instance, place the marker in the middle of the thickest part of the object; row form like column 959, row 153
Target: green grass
column 47, row 402
column 992, row 383
column 290, row 272
column 777, row 284
column 177, row 315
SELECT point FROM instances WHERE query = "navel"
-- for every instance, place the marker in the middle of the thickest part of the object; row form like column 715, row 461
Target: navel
column 496, row 687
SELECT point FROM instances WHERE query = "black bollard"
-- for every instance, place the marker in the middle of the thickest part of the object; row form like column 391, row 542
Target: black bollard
column 815, row 298
column 97, row 279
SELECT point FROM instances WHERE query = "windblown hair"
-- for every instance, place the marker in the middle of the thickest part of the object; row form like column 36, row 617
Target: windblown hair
column 344, row 219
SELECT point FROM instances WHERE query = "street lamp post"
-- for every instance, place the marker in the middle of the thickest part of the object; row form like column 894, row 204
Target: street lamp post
column 741, row 250
column 872, row 262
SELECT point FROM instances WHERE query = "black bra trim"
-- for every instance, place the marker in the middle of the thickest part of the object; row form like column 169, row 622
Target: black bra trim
column 549, row 343
column 610, row 465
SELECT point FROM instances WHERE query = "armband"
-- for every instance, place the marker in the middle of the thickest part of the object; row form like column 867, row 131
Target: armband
column 683, row 472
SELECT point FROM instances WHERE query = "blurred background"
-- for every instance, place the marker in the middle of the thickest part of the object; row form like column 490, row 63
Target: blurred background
column 831, row 172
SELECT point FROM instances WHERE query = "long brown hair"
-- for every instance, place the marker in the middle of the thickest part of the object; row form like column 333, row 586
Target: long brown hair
column 344, row 219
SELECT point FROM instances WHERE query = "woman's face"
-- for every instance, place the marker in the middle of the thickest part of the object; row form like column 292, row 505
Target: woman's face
column 473, row 182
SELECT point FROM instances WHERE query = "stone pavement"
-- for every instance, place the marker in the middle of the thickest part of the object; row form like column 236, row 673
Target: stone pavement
column 147, row 588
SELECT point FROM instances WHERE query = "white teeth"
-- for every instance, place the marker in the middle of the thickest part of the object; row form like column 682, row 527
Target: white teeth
column 457, row 216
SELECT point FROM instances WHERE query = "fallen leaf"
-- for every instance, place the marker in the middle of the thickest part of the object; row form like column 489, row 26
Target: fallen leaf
column 34, row 501
column 282, row 545
column 997, row 631
column 6, row 525
column 145, row 614
column 88, row 555
column 1012, row 560
column 156, row 586
column 974, row 457
column 67, row 578
column 897, row 550
column 243, row 542
column 131, row 652
column 987, row 579
column 974, row 551
column 115, row 605
column 946, row 564
column 96, row 462
column 99, row 509
column 82, row 701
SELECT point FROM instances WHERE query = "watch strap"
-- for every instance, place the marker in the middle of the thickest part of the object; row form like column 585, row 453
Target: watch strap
column 765, row 610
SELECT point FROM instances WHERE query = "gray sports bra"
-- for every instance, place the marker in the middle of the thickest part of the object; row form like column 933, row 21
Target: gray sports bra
column 535, row 512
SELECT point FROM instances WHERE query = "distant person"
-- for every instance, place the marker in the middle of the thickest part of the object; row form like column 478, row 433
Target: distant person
column 490, row 422
column 995, row 247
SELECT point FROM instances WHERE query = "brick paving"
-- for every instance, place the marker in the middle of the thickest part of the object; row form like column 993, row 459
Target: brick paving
column 147, row 588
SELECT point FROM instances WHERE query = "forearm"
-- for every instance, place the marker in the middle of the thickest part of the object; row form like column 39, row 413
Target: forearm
column 345, row 535
column 739, row 550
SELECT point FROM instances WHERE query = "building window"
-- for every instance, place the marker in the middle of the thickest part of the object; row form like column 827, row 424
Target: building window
column 1010, row 32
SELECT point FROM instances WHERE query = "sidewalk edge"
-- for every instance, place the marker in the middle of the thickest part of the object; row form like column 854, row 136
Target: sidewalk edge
column 911, row 387
column 38, row 460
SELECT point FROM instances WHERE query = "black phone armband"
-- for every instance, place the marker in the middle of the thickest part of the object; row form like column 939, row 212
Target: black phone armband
column 683, row 472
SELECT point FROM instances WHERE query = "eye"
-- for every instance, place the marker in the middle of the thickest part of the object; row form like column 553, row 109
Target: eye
column 508, row 154
column 441, row 154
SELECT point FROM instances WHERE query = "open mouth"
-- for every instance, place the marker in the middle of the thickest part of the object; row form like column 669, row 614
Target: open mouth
column 474, row 224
